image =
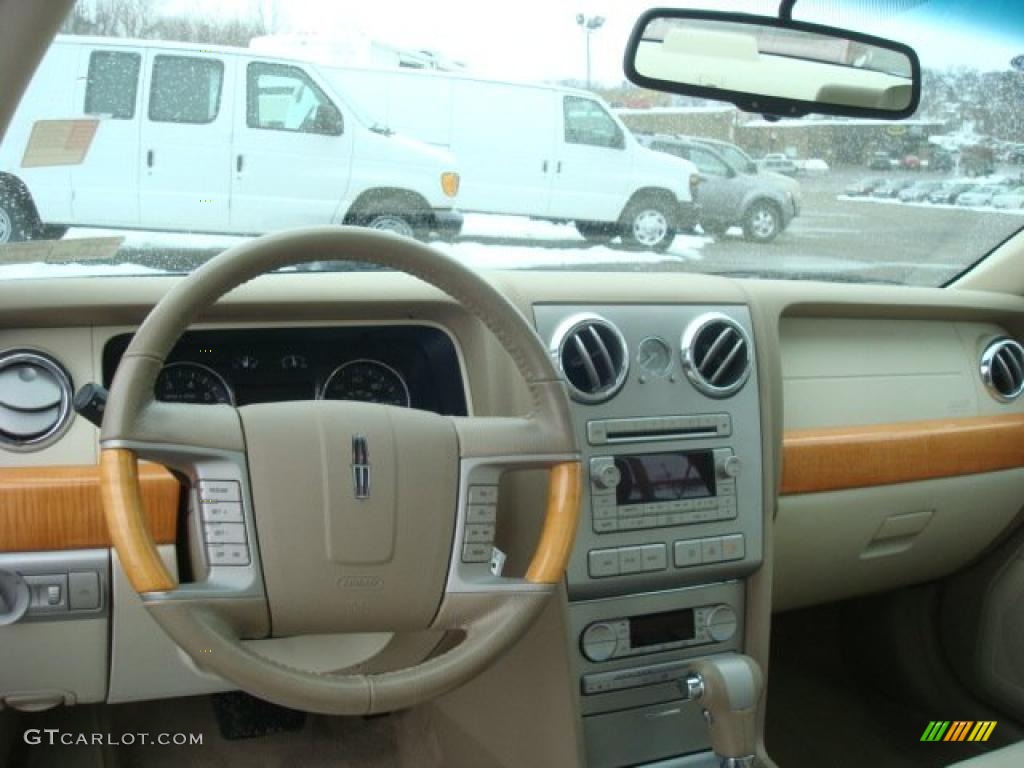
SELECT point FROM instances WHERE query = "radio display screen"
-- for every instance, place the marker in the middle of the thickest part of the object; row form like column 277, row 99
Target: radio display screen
column 658, row 628
column 653, row 477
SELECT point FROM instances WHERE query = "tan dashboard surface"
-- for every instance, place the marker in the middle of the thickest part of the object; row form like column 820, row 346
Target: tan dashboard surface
column 52, row 508
column 836, row 458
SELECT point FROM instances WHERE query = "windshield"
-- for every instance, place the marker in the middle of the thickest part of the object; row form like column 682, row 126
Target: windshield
column 157, row 133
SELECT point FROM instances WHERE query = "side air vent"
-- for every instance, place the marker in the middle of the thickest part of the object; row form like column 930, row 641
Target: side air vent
column 1002, row 369
column 35, row 400
column 716, row 355
column 592, row 355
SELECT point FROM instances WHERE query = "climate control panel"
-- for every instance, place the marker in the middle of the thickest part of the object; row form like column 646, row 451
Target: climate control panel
column 654, row 633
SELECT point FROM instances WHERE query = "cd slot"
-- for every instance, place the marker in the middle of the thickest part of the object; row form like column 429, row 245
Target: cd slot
column 702, row 426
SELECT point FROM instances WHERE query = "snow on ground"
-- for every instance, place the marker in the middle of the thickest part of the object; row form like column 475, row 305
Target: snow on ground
column 487, row 242
column 935, row 206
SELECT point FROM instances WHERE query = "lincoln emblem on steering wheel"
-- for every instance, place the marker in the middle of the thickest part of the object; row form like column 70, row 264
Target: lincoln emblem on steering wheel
column 360, row 467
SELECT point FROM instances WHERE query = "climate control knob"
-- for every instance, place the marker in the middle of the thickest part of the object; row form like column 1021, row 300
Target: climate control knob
column 599, row 641
column 721, row 623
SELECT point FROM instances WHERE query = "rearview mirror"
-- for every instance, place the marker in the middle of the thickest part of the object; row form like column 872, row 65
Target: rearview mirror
column 773, row 66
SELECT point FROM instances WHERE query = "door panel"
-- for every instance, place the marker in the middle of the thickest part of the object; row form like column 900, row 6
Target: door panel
column 594, row 167
column 505, row 169
column 292, row 156
column 185, row 150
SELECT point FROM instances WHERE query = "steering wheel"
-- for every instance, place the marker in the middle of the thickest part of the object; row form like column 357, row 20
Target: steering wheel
column 340, row 516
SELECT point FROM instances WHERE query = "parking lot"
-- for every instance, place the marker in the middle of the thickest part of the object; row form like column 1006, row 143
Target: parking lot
column 834, row 237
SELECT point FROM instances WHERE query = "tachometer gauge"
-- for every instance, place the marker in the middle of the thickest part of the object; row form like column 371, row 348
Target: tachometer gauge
column 369, row 381
column 192, row 383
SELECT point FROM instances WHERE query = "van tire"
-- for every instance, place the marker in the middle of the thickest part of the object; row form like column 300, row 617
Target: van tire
column 400, row 223
column 17, row 223
column 649, row 223
column 762, row 222
column 597, row 232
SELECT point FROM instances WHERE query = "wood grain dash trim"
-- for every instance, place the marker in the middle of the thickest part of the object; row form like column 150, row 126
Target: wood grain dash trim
column 836, row 458
column 54, row 508
column 559, row 531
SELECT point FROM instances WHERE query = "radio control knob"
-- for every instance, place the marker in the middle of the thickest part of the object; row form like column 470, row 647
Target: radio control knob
column 731, row 467
column 721, row 623
column 599, row 641
column 607, row 477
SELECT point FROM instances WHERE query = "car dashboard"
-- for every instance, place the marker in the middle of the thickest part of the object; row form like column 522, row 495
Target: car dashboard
column 748, row 446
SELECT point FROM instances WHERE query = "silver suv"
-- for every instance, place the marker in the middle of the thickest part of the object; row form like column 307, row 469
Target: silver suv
column 730, row 194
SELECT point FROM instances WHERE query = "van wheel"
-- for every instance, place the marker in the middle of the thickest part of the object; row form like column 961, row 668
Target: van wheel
column 597, row 232
column 398, row 223
column 649, row 224
column 16, row 224
column 762, row 223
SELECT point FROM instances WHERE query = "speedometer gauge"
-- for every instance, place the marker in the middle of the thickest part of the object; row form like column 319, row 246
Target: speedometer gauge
column 369, row 381
column 192, row 383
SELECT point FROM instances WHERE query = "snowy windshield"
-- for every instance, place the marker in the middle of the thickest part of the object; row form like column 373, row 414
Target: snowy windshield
column 158, row 133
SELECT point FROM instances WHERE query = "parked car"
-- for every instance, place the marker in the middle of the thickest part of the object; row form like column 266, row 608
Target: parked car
column 779, row 163
column 1015, row 155
column 918, row 191
column 881, row 161
column 565, row 156
column 743, row 163
column 950, row 191
column 977, row 160
column 1011, row 200
column 727, row 197
column 981, row 195
column 863, row 187
column 275, row 139
column 891, row 187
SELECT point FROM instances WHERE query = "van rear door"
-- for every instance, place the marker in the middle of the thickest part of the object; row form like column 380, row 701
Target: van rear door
column 292, row 154
column 185, row 150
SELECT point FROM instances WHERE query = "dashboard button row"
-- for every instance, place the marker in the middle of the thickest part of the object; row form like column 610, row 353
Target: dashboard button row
column 621, row 561
column 481, row 517
column 713, row 549
column 641, row 516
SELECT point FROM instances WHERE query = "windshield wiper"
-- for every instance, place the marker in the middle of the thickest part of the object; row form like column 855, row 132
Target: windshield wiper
column 383, row 130
column 826, row 277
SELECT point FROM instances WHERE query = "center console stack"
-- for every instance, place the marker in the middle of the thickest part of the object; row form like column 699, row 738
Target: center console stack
column 666, row 408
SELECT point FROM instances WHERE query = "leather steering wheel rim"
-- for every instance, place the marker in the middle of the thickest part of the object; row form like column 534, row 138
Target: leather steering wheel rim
column 489, row 614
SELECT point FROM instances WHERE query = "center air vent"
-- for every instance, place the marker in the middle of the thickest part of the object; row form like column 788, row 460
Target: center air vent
column 716, row 355
column 1002, row 369
column 592, row 355
column 35, row 400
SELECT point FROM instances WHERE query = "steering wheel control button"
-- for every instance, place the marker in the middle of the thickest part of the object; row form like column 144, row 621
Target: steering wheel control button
column 482, row 513
column 602, row 563
column 219, row 490
column 599, row 641
column 225, row 533
column 228, row 554
column 476, row 553
column 221, row 512
column 479, row 534
column 483, row 494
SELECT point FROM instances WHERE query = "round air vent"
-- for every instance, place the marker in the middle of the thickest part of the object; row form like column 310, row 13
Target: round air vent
column 35, row 400
column 592, row 355
column 716, row 355
column 1002, row 369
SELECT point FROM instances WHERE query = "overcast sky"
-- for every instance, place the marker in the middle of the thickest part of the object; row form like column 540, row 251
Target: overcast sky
column 539, row 39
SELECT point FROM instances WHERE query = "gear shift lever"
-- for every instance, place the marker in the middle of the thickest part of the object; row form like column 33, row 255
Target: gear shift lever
column 728, row 688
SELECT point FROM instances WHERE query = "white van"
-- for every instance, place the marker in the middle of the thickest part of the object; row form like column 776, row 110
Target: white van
column 535, row 150
column 275, row 144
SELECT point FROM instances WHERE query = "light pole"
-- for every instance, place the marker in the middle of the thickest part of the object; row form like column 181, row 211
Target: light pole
column 589, row 24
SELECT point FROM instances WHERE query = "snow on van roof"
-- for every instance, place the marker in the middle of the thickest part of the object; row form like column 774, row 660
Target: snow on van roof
column 703, row 109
